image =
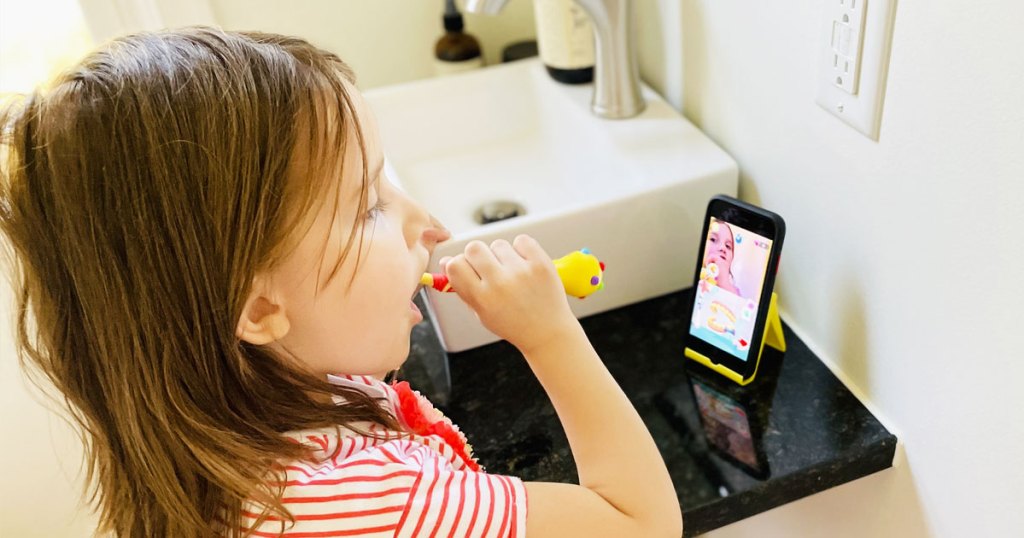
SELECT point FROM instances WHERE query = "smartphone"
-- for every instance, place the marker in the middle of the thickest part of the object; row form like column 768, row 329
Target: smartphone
column 733, row 284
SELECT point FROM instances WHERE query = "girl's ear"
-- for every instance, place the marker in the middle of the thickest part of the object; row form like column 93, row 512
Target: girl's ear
column 263, row 320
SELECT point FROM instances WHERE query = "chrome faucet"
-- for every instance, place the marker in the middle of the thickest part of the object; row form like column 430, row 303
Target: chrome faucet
column 617, row 84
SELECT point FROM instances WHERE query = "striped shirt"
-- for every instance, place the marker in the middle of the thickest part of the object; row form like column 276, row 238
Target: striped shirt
column 401, row 485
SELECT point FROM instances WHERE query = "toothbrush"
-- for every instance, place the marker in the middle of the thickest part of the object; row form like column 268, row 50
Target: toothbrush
column 581, row 273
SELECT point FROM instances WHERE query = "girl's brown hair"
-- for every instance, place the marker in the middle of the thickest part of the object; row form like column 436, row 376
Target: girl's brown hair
column 141, row 193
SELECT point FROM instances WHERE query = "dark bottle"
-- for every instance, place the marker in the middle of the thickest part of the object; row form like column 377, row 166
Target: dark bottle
column 456, row 51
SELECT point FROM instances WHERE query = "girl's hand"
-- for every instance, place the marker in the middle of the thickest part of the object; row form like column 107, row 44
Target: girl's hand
column 514, row 290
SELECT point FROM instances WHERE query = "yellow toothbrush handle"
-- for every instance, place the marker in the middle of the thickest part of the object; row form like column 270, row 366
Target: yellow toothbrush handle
column 580, row 271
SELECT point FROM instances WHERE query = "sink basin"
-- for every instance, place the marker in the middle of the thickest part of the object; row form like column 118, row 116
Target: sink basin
column 632, row 191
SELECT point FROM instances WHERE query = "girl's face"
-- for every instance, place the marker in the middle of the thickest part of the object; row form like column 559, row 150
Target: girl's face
column 719, row 246
column 359, row 321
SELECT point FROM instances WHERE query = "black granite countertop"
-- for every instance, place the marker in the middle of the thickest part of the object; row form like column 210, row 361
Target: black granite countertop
column 807, row 432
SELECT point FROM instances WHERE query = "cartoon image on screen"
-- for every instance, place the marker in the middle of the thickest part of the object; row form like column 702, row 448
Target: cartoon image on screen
column 729, row 289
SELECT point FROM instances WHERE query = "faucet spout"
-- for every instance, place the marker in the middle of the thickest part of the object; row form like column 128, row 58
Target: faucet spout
column 617, row 75
column 617, row 85
column 488, row 7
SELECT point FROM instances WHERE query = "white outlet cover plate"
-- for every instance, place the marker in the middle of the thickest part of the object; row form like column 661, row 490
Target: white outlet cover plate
column 862, row 110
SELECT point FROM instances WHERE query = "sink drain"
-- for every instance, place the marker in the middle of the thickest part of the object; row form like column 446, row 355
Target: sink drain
column 496, row 211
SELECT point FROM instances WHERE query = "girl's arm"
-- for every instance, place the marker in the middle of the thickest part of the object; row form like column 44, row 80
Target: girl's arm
column 625, row 489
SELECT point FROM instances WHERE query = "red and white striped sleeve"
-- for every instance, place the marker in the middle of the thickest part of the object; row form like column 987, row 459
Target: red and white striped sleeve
column 400, row 488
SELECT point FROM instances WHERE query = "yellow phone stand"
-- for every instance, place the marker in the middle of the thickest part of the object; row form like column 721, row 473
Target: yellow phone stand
column 773, row 338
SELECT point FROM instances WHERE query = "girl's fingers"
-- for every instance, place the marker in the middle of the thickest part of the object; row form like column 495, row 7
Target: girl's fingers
column 461, row 273
column 482, row 259
column 505, row 253
column 529, row 248
column 443, row 262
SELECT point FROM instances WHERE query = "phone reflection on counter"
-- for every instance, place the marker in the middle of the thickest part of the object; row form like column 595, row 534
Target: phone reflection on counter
column 734, row 418
column 732, row 427
column 722, row 425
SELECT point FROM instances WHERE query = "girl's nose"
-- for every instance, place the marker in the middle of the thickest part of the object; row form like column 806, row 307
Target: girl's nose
column 435, row 233
column 418, row 225
column 422, row 227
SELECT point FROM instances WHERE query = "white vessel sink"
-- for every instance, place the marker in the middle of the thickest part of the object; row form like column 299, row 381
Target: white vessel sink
column 633, row 191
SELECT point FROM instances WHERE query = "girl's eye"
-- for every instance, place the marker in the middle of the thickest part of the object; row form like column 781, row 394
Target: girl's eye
column 376, row 210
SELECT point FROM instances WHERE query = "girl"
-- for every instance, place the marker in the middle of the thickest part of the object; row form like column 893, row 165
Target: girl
column 720, row 249
column 203, row 235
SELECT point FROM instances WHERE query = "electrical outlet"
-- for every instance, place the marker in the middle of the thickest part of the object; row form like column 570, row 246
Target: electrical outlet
column 847, row 29
column 855, row 41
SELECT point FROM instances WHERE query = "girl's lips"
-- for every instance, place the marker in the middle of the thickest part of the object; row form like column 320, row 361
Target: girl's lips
column 416, row 311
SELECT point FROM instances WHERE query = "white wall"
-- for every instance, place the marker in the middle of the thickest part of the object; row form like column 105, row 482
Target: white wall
column 903, row 259
column 41, row 487
column 385, row 41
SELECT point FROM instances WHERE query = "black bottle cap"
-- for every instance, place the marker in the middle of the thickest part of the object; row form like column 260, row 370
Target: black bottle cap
column 453, row 22
column 519, row 50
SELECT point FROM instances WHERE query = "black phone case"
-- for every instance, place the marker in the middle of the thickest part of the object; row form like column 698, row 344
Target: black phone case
column 753, row 218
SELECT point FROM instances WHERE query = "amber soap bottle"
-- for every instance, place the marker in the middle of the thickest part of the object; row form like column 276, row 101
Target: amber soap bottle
column 456, row 50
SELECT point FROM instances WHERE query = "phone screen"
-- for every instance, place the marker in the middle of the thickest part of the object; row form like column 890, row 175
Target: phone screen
column 729, row 288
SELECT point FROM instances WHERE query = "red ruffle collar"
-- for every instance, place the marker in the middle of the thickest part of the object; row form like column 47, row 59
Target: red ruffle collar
column 422, row 418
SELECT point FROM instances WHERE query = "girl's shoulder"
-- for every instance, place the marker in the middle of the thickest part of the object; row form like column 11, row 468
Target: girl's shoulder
column 394, row 482
column 423, row 425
